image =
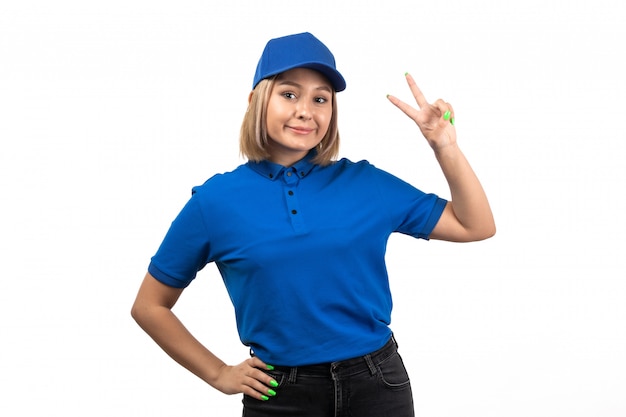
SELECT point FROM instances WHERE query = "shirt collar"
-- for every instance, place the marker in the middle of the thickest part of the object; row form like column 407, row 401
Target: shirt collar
column 271, row 171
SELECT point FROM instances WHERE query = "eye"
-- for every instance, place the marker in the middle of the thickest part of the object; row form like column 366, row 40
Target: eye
column 321, row 100
column 288, row 95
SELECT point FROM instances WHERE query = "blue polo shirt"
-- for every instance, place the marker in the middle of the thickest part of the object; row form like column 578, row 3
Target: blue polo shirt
column 301, row 251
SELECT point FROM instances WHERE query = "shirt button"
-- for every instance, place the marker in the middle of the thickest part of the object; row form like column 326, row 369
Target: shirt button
column 289, row 173
column 290, row 192
column 294, row 211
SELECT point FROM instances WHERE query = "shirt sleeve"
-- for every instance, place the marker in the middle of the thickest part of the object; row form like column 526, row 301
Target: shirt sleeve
column 185, row 250
column 412, row 211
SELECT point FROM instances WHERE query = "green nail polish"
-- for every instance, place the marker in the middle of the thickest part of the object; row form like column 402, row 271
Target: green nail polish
column 265, row 397
column 452, row 121
column 406, row 73
column 446, row 115
column 271, row 392
column 273, row 383
column 270, row 367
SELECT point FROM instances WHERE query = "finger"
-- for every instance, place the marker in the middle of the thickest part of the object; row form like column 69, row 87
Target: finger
column 448, row 113
column 452, row 118
column 260, row 391
column 406, row 109
column 445, row 110
column 417, row 93
column 255, row 362
column 262, row 380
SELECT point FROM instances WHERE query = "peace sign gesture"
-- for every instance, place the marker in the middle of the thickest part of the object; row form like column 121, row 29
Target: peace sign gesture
column 436, row 121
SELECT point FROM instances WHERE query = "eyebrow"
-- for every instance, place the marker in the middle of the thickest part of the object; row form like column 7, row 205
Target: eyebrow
column 295, row 84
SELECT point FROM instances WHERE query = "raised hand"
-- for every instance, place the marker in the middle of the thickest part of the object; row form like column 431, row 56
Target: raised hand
column 435, row 121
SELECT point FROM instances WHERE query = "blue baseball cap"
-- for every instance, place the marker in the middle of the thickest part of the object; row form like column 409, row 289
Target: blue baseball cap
column 302, row 50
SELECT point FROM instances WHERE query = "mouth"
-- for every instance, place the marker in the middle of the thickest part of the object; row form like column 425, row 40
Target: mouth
column 300, row 130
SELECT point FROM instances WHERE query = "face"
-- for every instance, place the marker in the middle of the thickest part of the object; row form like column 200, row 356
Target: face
column 299, row 111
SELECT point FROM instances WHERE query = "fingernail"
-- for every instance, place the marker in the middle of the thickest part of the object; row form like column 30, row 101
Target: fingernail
column 406, row 73
column 273, row 383
column 265, row 397
column 452, row 121
column 270, row 367
column 271, row 392
column 446, row 115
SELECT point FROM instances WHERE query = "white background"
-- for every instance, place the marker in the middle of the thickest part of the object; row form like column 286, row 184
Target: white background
column 111, row 111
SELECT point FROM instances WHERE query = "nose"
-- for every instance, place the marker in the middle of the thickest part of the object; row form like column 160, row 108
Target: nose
column 303, row 110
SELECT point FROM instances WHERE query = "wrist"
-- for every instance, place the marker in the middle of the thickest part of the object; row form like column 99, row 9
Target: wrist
column 448, row 151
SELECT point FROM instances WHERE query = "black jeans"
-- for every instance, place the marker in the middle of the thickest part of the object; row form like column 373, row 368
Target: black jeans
column 374, row 385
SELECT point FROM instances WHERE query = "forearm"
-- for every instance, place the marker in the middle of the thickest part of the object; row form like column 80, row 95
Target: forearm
column 162, row 325
column 153, row 312
column 468, row 216
column 469, row 202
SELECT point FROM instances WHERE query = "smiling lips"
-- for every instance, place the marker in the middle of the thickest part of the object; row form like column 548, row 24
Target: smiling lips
column 300, row 130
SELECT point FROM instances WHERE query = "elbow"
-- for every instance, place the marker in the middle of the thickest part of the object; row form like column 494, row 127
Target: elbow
column 487, row 232
column 484, row 232
column 141, row 316
column 137, row 313
column 491, row 228
column 491, row 233
column 486, row 228
column 134, row 313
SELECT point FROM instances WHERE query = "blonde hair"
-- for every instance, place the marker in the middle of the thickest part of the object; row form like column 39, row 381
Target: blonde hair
column 253, row 137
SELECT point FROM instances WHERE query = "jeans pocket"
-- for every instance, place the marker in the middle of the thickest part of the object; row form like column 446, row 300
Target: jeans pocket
column 393, row 374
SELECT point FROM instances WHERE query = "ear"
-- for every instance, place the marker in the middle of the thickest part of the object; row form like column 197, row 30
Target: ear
column 250, row 97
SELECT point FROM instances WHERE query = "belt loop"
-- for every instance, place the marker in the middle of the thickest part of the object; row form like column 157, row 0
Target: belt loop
column 293, row 372
column 370, row 364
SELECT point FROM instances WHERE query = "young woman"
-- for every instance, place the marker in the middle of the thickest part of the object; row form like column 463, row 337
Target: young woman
column 299, row 239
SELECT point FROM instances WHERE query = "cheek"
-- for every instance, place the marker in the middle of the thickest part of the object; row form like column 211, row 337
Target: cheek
column 324, row 116
column 326, row 121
